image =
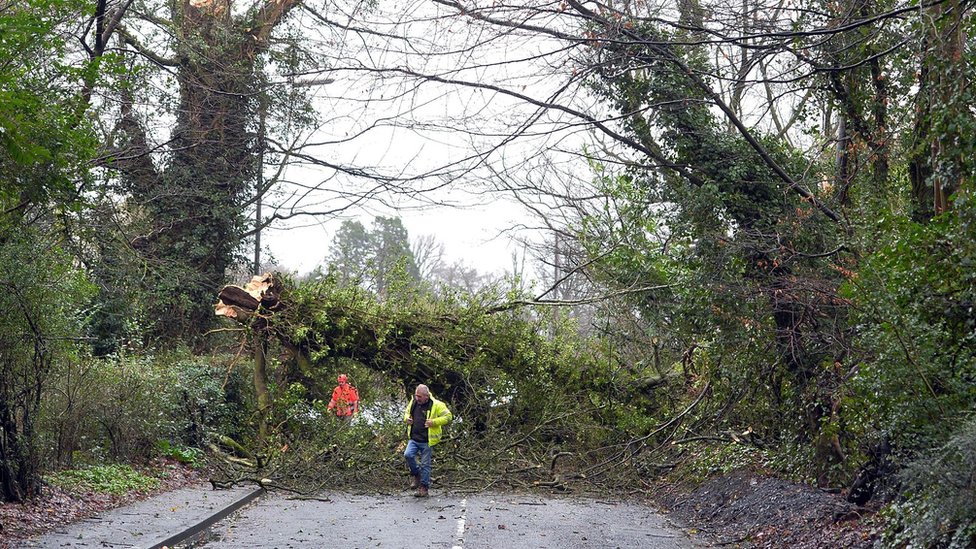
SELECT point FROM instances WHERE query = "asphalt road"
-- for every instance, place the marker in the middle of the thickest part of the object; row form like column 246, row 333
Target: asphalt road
column 445, row 520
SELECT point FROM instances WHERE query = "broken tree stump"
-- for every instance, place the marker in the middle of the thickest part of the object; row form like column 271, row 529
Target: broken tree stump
column 240, row 302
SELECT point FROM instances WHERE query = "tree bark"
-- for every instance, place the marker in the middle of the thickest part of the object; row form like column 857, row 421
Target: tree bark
column 261, row 386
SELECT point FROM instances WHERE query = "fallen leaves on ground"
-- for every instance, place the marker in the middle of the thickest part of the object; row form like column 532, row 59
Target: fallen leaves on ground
column 57, row 506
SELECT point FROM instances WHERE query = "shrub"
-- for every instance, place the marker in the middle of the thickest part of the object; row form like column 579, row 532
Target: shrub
column 121, row 407
column 39, row 323
column 184, row 454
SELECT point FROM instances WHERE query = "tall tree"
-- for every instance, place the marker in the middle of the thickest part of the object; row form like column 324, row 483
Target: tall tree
column 189, row 206
column 393, row 259
column 351, row 252
column 377, row 258
column 941, row 137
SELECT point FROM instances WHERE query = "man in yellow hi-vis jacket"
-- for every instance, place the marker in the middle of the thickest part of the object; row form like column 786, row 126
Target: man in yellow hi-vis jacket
column 426, row 416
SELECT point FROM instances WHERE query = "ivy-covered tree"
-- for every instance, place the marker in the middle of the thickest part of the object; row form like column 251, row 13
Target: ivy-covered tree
column 186, row 199
column 711, row 218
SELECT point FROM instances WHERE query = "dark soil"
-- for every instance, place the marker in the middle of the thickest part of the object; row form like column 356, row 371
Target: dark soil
column 749, row 510
column 56, row 506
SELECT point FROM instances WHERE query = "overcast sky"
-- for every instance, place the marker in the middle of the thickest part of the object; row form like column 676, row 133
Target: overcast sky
column 476, row 235
column 405, row 127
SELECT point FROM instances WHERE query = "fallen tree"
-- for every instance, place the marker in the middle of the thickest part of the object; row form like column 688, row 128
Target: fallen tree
column 537, row 405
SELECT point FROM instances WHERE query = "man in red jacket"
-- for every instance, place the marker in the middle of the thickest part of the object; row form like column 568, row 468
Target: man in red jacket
column 345, row 399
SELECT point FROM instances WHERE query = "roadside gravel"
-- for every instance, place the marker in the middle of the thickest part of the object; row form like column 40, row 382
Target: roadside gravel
column 751, row 511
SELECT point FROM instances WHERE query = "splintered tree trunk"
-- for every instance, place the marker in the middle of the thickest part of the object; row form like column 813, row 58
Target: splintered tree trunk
column 253, row 306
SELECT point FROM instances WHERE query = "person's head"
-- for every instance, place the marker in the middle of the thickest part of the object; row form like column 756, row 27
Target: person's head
column 343, row 379
column 421, row 394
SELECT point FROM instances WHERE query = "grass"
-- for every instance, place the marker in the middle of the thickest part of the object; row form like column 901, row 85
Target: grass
column 113, row 479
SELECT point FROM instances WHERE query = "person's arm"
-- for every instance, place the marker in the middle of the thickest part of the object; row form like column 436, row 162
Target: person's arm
column 332, row 402
column 443, row 417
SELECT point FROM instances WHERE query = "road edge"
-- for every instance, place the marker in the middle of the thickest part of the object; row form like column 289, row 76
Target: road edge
column 199, row 527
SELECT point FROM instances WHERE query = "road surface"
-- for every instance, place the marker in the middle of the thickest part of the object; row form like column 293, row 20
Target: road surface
column 445, row 520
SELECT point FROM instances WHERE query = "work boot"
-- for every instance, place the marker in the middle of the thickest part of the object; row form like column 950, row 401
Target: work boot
column 415, row 483
column 421, row 492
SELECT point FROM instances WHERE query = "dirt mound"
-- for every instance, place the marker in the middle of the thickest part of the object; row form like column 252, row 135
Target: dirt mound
column 747, row 510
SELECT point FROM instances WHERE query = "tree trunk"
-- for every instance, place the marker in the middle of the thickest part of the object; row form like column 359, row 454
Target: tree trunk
column 935, row 166
column 261, row 386
column 19, row 475
column 260, row 295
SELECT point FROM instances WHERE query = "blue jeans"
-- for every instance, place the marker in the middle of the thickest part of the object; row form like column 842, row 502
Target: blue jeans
column 426, row 457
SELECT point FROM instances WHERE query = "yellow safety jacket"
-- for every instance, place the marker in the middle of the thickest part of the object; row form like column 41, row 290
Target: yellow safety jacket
column 438, row 412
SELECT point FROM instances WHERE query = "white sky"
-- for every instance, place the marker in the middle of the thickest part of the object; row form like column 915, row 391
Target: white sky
column 401, row 127
column 474, row 235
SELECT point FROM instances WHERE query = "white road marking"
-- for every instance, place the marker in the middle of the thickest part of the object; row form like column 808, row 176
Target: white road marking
column 459, row 535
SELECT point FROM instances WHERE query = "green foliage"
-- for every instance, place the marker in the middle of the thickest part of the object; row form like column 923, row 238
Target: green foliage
column 39, row 320
column 118, row 322
column 939, row 487
column 710, row 460
column 104, row 479
column 296, row 412
column 44, row 145
column 189, row 455
column 718, row 307
column 490, row 366
column 914, row 298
